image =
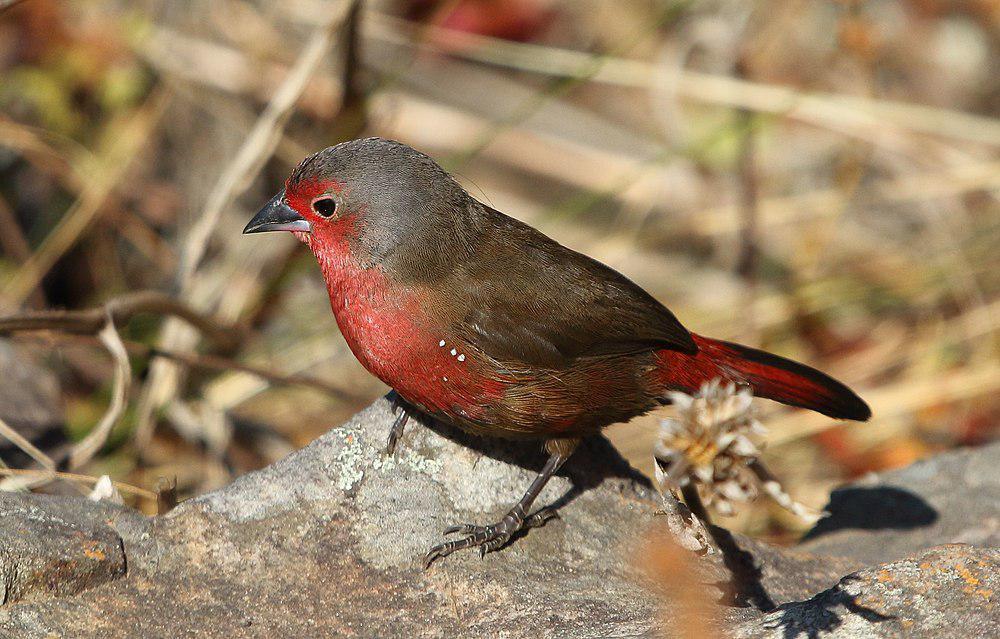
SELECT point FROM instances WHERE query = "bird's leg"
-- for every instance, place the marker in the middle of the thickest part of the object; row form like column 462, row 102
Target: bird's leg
column 492, row 537
column 398, row 406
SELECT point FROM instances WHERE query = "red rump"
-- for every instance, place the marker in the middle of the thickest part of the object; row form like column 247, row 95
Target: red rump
column 768, row 375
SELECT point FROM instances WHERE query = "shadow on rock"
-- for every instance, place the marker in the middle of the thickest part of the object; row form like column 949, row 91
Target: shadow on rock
column 877, row 508
column 594, row 461
column 745, row 586
column 822, row 614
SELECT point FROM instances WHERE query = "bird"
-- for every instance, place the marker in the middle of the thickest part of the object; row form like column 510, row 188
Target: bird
column 480, row 321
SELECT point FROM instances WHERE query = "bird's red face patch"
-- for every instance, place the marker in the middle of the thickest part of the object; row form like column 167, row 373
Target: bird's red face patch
column 321, row 203
column 303, row 193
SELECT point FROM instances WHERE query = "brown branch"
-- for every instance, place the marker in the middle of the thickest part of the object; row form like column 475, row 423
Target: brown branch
column 121, row 310
column 224, row 364
column 15, row 245
column 216, row 363
column 12, row 240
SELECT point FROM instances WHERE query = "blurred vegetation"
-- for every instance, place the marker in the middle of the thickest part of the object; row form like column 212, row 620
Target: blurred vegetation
column 819, row 178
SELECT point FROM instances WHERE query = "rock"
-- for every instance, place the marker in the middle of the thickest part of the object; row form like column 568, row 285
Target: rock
column 329, row 542
column 950, row 498
column 53, row 546
column 947, row 591
column 29, row 395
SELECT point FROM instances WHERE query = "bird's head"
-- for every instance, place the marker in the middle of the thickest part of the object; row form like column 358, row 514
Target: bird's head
column 377, row 198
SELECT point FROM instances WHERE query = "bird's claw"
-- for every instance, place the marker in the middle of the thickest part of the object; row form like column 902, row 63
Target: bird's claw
column 396, row 431
column 488, row 538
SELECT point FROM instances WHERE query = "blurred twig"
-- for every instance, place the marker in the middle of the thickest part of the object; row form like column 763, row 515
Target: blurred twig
column 58, row 155
column 255, row 151
column 12, row 239
column 216, row 363
column 949, row 181
column 821, row 109
column 15, row 245
column 102, row 322
column 748, row 240
column 589, row 67
column 30, row 449
column 259, row 145
column 120, row 310
column 127, row 143
column 674, row 573
column 353, row 91
column 7, row 4
column 208, row 362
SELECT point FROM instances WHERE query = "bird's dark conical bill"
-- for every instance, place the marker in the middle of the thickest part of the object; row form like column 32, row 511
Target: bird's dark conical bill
column 276, row 215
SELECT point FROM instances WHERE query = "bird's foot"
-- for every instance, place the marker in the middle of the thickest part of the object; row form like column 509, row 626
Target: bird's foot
column 491, row 537
column 397, row 426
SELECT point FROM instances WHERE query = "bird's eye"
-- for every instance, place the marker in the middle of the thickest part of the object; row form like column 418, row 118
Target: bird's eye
column 325, row 207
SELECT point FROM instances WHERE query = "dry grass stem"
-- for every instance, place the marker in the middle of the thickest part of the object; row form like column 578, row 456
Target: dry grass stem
column 16, row 438
column 85, row 450
column 822, row 109
column 259, row 145
column 47, row 476
column 80, row 216
column 66, row 159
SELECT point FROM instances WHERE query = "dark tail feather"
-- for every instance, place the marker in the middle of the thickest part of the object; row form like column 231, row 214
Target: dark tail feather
column 768, row 375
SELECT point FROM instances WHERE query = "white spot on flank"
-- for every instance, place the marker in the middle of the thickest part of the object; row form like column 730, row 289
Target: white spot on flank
column 347, row 303
column 445, row 378
column 454, row 352
column 461, row 357
column 441, row 343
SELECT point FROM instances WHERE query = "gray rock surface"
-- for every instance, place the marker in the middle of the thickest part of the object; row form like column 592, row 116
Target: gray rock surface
column 950, row 498
column 329, row 542
column 946, row 592
column 29, row 393
column 56, row 546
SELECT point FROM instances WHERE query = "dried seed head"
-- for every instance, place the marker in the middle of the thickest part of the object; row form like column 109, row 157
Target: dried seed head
column 713, row 443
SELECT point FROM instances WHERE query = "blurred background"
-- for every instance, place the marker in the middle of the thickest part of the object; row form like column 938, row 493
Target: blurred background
column 820, row 178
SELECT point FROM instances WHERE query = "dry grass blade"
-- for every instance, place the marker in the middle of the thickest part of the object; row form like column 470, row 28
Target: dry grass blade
column 63, row 157
column 45, row 476
column 816, row 108
column 121, row 310
column 259, row 145
column 257, row 148
column 16, row 438
column 128, row 141
column 89, row 445
column 12, row 240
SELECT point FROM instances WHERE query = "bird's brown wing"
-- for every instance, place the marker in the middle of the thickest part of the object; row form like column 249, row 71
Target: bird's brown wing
column 531, row 300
